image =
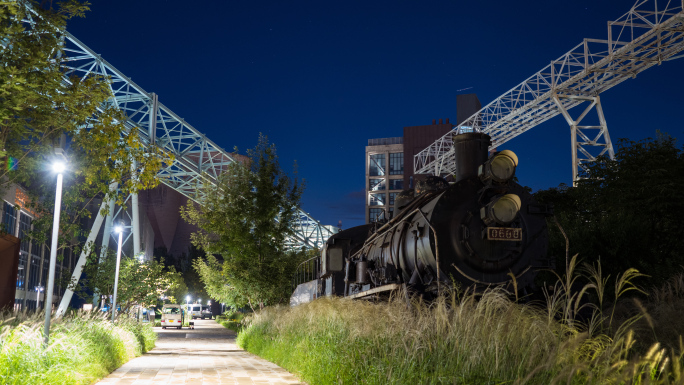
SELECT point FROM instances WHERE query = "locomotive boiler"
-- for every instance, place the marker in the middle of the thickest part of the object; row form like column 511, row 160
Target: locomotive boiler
column 480, row 227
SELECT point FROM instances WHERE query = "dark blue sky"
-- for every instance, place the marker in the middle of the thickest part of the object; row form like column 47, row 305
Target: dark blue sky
column 322, row 77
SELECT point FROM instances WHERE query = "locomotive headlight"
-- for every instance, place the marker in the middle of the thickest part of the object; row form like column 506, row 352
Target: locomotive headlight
column 500, row 168
column 502, row 210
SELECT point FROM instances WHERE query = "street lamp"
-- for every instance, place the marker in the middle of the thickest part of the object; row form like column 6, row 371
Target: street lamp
column 119, row 230
column 59, row 168
column 39, row 289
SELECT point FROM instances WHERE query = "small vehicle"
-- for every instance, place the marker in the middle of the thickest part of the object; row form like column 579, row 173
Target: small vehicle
column 171, row 316
column 195, row 311
column 206, row 312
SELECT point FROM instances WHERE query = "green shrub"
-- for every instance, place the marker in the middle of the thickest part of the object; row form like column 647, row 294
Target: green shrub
column 232, row 320
column 83, row 347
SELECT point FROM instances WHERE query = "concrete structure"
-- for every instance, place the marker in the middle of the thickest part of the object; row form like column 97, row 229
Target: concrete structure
column 389, row 161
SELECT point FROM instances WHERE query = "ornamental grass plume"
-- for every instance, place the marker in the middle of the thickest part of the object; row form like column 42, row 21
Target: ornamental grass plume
column 478, row 338
column 83, row 347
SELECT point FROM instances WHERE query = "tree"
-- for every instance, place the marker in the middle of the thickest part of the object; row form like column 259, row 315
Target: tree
column 183, row 263
column 141, row 283
column 246, row 220
column 626, row 212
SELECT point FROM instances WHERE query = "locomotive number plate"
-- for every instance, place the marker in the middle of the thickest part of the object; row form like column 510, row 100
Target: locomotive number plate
column 504, row 234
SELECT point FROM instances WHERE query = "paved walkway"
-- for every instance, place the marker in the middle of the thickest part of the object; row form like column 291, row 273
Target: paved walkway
column 206, row 355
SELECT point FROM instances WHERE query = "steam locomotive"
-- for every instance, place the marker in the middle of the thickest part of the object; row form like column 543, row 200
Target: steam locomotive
column 479, row 228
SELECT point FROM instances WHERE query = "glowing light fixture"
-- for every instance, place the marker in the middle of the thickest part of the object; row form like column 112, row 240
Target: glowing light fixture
column 502, row 210
column 499, row 168
column 58, row 167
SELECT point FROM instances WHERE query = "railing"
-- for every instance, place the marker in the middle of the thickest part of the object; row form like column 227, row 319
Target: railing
column 386, row 141
column 307, row 271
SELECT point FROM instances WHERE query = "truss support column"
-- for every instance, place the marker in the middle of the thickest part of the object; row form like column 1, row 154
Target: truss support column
column 106, row 235
column 154, row 106
column 606, row 136
column 89, row 244
column 135, row 220
column 573, row 145
column 583, row 138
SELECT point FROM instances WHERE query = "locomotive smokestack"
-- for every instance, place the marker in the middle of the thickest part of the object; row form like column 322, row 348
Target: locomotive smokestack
column 470, row 151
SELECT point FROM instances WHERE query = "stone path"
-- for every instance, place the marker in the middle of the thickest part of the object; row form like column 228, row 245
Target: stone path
column 206, row 355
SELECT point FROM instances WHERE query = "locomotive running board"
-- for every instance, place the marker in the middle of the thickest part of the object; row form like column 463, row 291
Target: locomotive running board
column 375, row 290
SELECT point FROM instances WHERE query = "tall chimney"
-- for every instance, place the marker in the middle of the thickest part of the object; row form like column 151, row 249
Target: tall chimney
column 434, row 121
column 440, row 121
column 470, row 151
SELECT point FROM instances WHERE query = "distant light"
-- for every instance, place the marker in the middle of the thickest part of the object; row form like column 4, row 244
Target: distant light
column 118, row 229
column 58, row 167
column 187, row 298
column 208, row 302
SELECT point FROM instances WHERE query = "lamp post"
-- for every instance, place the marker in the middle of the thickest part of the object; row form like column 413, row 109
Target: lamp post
column 119, row 230
column 59, row 168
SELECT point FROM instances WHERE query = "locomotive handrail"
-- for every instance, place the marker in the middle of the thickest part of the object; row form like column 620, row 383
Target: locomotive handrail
column 307, row 271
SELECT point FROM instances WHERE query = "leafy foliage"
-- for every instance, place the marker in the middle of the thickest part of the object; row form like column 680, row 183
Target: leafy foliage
column 246, row 220
column 625, row 213
column 191, row 284
column 140, row 283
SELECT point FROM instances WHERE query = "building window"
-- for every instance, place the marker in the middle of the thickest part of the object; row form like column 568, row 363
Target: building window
column 24, row 228
column 396, row 184
column 46, row 265
column 34, row 273
column 23, row 265
column 396, row 163
column 391, row 198
column 9, row 219
column 376, row 165
column 376, row 184
column 375, row 215
column 377, row 200
column 391, row 212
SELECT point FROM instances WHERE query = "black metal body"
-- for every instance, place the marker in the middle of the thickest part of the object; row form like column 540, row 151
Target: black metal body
column 439, row 235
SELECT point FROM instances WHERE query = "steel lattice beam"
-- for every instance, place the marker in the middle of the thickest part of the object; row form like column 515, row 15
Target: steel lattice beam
column 198, row 160
column 650, row 33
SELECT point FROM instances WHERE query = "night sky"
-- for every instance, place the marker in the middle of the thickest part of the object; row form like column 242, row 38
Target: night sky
column 322, row 77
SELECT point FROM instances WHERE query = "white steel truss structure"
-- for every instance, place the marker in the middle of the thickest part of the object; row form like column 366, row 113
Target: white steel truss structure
column 650, row 33
column 198, row 160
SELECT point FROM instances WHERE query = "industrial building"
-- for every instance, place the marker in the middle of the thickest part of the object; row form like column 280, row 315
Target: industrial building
column 389, row 161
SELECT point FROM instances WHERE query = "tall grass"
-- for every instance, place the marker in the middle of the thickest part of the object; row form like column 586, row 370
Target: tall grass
column 83, row 347
column 466, row 338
